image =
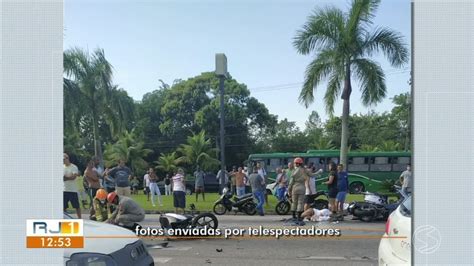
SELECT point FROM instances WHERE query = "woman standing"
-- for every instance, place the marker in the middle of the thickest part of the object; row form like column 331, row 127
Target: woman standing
column 154, row 189
column 332, row 186
column 167, row 185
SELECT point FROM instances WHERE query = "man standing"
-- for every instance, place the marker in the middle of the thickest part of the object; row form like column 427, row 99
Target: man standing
column 223, row 180
column 239, row 178
column 109, row 183
column 258, row 188
column 92, row 178
column 289, row 171
column 99, row 170
column 146, row 180
column 342, row 188
column 199, row 182
column 179, row 191
column 406, row 180
column 232, row 180
column 310, row 194
column 127, row 213
column 281, row 182
column 70, row 189
column 297, row 189
column 263, row 174
column 121, row 174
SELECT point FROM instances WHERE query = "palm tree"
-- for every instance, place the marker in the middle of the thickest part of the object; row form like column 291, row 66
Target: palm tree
column 129, row 148
column 343, row 44
column 324, row 144
column 198, row 152
column 167, row 162
column 389, row 145
column 92, row 76
column 368, row 148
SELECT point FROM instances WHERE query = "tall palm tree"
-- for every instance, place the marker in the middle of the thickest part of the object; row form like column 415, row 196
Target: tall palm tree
column 198, row 151
column 343, row 43
column 167, row 162
column 92, row 76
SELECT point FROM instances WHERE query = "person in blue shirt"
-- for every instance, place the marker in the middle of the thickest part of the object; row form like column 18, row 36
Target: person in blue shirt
column 342, row 187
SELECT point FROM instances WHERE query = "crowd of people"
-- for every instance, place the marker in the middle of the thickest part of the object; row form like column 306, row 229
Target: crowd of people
column 297, row 182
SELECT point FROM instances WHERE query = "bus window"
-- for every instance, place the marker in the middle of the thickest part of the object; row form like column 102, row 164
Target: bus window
column 316, row 162
column 274, row 163
column 329, row 160
column 400, row 164
column 381, row 164
column 358, row 164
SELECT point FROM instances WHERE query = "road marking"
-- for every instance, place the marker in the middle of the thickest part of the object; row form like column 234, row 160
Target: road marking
column 338, row 258
column 170, row 248
column 161, row 260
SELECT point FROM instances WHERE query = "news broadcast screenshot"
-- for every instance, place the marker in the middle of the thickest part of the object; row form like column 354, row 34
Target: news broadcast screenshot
column 236, row 132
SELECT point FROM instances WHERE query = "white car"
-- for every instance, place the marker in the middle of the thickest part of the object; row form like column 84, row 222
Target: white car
column 397, row 251
column 125, row 250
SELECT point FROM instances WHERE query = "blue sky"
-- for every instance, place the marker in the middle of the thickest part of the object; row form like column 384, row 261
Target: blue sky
column 150, row 40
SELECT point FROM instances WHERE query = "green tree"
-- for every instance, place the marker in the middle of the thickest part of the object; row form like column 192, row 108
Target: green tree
column 323, row 143
column 192, row 105
column 198, row 152
column 168, row 163
column 389, row 145
column 91, row 99
column 401, row 113
column 343, row 43
column 368, row 148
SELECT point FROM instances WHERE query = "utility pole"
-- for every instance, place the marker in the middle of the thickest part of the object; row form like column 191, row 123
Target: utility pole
column 221, row 72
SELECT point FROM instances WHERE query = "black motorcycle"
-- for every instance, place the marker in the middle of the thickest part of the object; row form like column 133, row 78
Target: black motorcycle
column 228, row 202
column 375, row 206
column 283, row 207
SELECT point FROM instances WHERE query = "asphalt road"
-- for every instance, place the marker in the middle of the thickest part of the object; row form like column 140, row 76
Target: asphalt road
column 357, row 244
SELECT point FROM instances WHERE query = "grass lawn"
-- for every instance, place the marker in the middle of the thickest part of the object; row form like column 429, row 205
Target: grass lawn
column 209, row 203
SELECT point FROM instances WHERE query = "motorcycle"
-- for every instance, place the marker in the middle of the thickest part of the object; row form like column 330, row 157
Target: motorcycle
column 243, row 204
column 183, row 221
column 375, row 206
column 283, row 207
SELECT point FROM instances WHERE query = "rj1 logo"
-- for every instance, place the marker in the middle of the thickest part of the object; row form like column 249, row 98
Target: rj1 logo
column 54, row 227
column 61, row 228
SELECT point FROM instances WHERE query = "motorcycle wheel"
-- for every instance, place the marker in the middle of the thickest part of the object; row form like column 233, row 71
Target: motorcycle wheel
column 219, row 209
column 250, row 208
column 282, row 208
column 320, row 204
column 205, row 219
column 365, row 215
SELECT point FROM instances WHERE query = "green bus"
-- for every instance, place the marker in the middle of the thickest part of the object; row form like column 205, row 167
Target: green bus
column 367, row 170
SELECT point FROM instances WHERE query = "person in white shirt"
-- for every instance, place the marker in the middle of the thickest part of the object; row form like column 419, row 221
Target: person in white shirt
column 316, row 215
column 70, row 188
column 146, row 179
column 223, row 181
column 406, row 180
column 310, row 185
column 179, row 191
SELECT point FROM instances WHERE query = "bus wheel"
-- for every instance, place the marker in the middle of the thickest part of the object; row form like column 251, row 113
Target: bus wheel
column 356, row 187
